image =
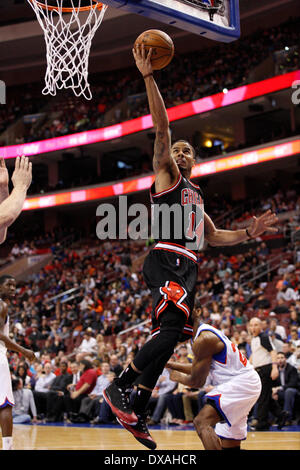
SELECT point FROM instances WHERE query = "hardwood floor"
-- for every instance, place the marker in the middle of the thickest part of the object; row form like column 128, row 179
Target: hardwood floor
column 66, row 437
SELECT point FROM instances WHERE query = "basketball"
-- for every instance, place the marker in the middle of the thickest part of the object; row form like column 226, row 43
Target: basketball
column 162, row 47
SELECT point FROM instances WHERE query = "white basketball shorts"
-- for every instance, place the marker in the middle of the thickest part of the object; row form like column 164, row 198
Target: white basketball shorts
column 234, row 400
column 6, row 393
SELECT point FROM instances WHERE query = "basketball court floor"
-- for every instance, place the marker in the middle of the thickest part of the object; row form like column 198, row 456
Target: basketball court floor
column 113, row 437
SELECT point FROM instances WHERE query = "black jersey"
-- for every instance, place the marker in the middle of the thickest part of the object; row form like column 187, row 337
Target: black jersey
column 170, row 269
column 178, row 215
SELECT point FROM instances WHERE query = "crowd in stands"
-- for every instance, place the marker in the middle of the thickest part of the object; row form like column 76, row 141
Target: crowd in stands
column 200, row 74
column 17, row 246
column 74, row 314
column 188, row 77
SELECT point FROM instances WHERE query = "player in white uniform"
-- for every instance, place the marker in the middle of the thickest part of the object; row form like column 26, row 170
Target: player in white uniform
column 222, row 422
column 7, row 291
column 11, row 206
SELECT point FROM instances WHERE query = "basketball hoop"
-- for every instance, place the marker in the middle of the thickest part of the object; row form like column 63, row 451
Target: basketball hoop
column 69, row 27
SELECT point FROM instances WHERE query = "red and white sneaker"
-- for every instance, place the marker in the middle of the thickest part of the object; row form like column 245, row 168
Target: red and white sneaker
column 140, row 431
column 118, row 400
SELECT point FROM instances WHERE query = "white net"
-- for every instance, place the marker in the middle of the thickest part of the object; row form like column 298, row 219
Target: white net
column 68, row 37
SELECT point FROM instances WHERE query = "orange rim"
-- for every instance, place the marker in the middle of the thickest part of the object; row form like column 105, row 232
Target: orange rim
column 97, row 5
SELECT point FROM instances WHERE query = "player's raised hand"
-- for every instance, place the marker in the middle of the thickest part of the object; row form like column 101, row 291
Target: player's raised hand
column 22, row 176
column 142, row 59
column 3, row 174
column 262, row 224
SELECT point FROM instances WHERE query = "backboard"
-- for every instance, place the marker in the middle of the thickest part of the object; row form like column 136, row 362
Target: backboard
column 218, row 20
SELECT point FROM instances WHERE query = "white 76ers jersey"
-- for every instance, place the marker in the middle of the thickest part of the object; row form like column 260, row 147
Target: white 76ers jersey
column 4, row 331
column 229, row 362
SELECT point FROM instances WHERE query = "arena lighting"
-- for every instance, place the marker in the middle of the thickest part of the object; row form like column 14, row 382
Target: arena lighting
column 252, row 157
column 175, row 113
column 208, row 143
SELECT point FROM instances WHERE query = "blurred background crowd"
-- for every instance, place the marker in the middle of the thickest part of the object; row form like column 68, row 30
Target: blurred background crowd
column 88, row 310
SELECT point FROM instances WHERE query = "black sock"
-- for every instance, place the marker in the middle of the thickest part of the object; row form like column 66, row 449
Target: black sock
column 127, row 377
column 141, row 400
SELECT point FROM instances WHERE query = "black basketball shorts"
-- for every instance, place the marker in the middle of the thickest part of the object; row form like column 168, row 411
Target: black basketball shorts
column 170, row 272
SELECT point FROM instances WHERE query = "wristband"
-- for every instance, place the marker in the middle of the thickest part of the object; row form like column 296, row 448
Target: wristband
column 148, row 75
column 274, row 363
column 248, row 234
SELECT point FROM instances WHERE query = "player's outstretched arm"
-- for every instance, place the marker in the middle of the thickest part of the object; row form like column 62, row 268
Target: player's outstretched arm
column 3, row 193
column 258, row 225
column 180, row 367
column 12, row 346
column 11, row 207
column 205, row 346
column 194, row 376
column 162, row 159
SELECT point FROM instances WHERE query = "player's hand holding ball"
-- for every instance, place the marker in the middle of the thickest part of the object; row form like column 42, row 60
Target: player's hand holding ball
column 156, row 48
column 22, row 176
column 143, row 59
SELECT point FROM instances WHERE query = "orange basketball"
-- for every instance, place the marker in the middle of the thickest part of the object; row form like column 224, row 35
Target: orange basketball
column 162, row 47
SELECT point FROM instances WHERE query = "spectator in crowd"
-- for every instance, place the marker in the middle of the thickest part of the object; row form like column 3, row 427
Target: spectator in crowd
column 294, row 316
column 276, row 340
column 264, row 360
column 115, row 365
column 190, row 400
column 261, row 302
column 193, row 400
column 284, row 269
column 174, row 401
column 245, row 343
column 105, row 414
column 24, row 410
column 88, row 345
column 34, row 337
column 285, row 388
column 164, row 386
column 240, row 318
column 22, row 373
column 294, row 360
column 57, row 345
column 294, row 337
column 83, row 388
column 174, row 404
column 287, row 350
column 90, row 405
column 285, row 292
column 276, row 327
column 55, row 396
column 281, row 307
column 42, row 387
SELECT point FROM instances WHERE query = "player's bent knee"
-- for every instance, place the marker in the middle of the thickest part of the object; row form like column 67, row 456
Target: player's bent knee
column 201, row 425
column 208, row 416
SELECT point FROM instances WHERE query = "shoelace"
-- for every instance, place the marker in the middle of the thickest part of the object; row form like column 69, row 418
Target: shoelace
column 124, row 398
column 143, row 424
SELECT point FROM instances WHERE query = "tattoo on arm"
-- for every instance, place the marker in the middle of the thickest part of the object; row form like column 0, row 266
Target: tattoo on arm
column 159, row 149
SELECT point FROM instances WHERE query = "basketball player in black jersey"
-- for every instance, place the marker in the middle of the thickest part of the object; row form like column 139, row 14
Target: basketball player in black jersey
column 170, row 269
